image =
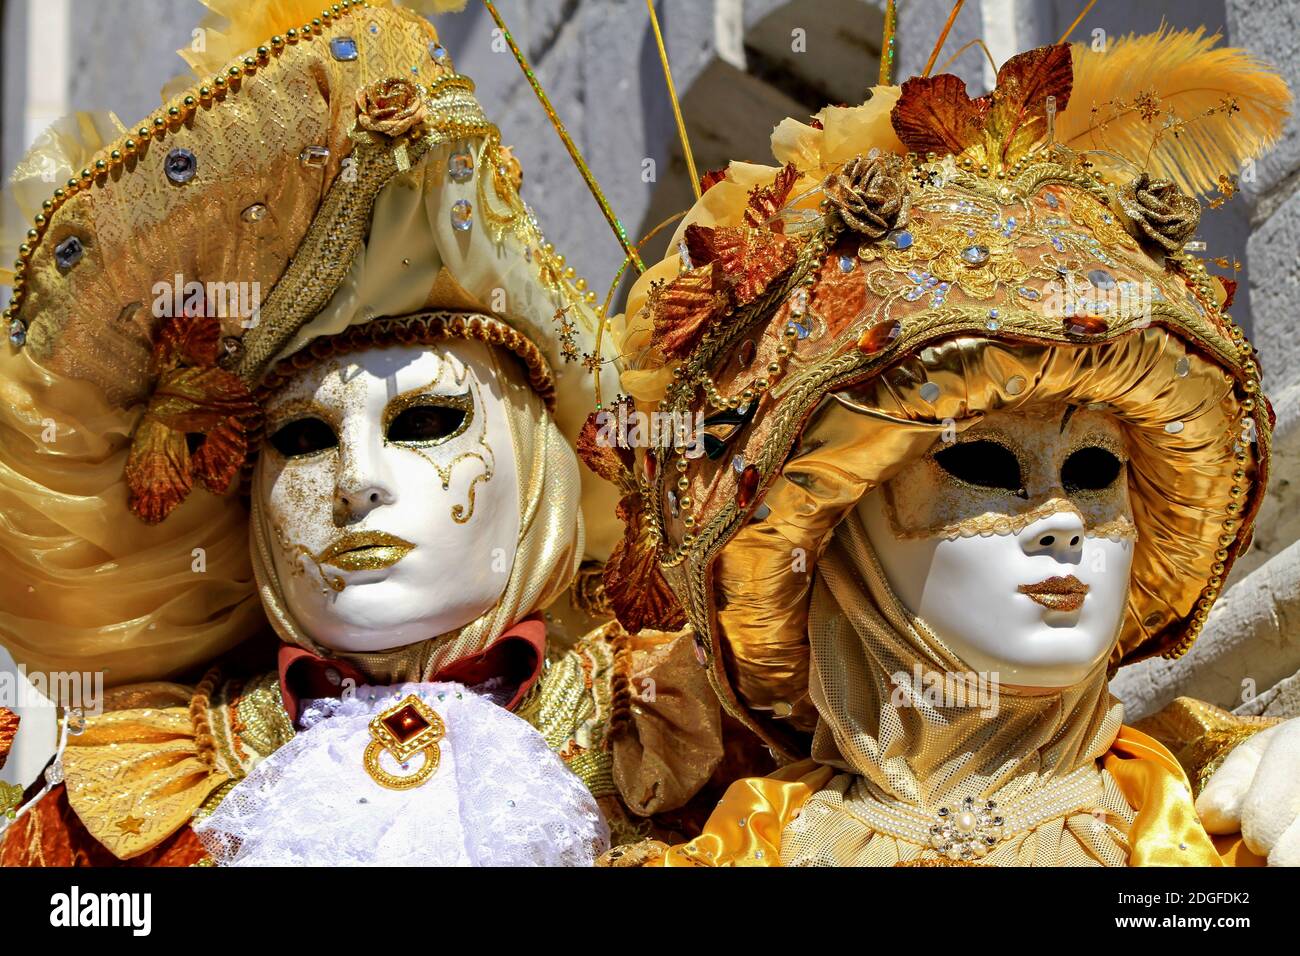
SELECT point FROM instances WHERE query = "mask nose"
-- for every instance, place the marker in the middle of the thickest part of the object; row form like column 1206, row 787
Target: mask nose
column 1059, row 536
column 361, row 487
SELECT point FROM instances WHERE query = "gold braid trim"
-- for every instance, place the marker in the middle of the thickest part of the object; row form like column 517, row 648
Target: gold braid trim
column 200, row 716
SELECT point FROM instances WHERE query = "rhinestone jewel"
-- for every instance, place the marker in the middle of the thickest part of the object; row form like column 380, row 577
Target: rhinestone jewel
column 747, row 486
column 748, row 349
column 1085, row 325
column 1101, row 279
column 902, row 240
column 68, row 253
column 315, row 156
column 738, row 464
column 54, row 772
column 460, row 166
column 437, row 53
column 1182, row 367
column 673, row 506
column 254, row 213
column 1033, row 295
column 975, row 256
column 1173, row 428
column 343, row 48
column 1015, row 385
column 929, row 391
column 879, row 336
column 180, row 165
column 966, row 831
column 847, row 263
column 462, row 215
column 17, row 333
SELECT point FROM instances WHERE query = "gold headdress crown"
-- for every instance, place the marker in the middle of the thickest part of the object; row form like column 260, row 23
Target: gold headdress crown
column 919, row 261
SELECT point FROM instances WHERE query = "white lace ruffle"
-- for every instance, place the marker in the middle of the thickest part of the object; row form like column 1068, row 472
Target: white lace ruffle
column 500, row 797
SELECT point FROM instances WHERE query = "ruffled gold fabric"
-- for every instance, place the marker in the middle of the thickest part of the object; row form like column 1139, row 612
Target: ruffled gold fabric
column 1148, row 814
column 671, row 742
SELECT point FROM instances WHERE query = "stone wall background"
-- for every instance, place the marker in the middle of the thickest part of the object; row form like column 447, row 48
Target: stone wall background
column 738, row 75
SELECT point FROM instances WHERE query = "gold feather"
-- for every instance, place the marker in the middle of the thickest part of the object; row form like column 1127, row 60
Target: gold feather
column 1180, row 71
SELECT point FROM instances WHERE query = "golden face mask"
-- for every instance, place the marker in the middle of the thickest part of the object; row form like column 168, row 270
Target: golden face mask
column 1012, row 469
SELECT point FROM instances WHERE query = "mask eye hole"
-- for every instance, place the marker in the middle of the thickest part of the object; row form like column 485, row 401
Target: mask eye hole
column 427, row 424
column 1090, row 469
column 983, row 463
column 303, row 436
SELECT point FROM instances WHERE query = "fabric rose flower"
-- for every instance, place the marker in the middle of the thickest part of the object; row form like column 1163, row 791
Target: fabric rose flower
column 1160, row 212
column 390, row 107
column 869, row 194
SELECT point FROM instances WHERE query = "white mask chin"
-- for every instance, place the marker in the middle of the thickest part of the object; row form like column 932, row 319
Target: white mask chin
column 390, row 486
column 1014, row 543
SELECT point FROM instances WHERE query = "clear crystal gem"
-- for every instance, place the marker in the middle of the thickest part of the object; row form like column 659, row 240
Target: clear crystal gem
column 1174, row 428
column 315, row 156
column 929, row 391
column 54, row 772
column 17, row 333
column 738, row 463
column 975, row 255
column 462, row 215
column 254, row 213
column 1015, row 384
column 847, row 263
column 437, row 53
column 68, row 253
column 1101, row 279
column 343, row 48
column 1182, row 367
column 460, row 166
column 902, row 240
column 180, row 165
column 75, row 719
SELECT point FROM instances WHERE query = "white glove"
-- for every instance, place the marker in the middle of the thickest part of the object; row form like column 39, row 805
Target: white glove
column 1257, row 791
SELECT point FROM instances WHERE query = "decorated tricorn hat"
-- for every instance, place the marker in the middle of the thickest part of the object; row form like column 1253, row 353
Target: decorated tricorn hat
column 918, row 262
column 172, row 273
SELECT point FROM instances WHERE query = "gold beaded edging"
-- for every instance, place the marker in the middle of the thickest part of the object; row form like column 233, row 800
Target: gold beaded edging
column 157, row 127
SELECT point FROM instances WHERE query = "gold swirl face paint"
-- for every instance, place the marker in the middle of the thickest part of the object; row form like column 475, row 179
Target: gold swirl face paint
column 389, row 478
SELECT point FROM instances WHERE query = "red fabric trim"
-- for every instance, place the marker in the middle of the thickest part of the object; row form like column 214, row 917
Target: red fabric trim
column 517, row 656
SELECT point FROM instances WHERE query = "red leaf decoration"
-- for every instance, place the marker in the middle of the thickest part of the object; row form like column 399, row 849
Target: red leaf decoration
column 711, row 178
column 192, row 398
column 635, row 585
column 1018, row 104
column 603, row 447
column 766, row 201
column 8, row 731
column 934, row 114
column 683, row 308
column 750, row 259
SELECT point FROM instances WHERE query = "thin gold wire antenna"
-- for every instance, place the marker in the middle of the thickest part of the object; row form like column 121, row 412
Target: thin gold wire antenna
column 619, row 232
column 888, row 44
column 943, row 36
column 672, row 95
column 1077, row 20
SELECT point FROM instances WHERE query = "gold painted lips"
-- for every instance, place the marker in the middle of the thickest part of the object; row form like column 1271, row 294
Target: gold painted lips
column 365, row 551
column 1057, row 594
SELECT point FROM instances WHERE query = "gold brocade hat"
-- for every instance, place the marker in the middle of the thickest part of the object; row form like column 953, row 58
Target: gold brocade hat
column 245, row 205
column 917, row 262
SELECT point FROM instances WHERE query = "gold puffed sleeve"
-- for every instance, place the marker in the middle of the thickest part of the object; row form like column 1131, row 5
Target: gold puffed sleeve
column 667, row 731
column 745, row 829
column 1201, row 735
column 135, row 776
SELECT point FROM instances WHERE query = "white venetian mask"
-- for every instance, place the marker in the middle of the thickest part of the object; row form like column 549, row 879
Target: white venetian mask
column 389, row 482
column 1014, row 542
